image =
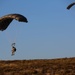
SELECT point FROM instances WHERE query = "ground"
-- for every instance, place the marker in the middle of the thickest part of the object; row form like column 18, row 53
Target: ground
column 59, row 66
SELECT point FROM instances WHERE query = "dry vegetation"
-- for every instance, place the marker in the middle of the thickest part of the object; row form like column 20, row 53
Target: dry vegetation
column 61, row 66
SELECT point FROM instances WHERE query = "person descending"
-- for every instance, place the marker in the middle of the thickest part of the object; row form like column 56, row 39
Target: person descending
column 13, row 48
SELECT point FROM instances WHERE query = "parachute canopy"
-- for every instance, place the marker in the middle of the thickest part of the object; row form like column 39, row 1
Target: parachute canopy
column 69, row 6
column 7, row 19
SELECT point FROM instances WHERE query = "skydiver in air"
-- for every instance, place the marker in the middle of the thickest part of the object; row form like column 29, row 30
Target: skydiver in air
column 13, row 48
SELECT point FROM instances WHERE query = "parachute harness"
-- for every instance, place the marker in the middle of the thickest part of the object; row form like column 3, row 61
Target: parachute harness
column 13, row 44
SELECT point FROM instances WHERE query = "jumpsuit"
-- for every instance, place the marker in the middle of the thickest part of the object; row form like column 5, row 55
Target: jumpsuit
column 13, row 50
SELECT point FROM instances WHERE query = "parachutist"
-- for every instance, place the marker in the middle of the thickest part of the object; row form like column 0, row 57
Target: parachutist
column 13, row 48
column 7, row 19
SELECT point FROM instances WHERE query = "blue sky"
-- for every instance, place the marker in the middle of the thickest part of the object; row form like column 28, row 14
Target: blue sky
column 50, row 32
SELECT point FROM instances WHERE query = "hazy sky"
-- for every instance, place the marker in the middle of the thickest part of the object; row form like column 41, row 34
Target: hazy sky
column 50, row 32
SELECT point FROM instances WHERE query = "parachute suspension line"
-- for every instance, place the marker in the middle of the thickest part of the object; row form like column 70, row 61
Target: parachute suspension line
column 10, row 39
column 15, row 36
column 7, row 19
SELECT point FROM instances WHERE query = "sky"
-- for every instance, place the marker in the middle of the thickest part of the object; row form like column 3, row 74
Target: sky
column 49, row 33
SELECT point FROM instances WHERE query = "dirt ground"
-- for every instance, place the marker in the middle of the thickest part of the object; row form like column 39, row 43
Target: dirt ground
column 59, row 66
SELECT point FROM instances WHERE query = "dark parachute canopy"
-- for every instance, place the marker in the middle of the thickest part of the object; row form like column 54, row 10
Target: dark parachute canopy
column 69, row 6
column 7, row 19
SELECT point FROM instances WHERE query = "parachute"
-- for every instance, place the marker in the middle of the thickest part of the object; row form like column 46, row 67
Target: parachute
column 69, row 6
column 7, row 19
